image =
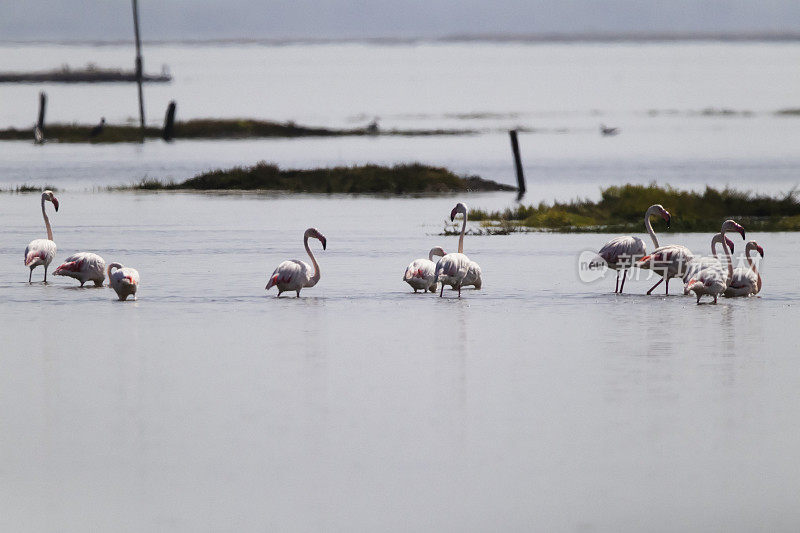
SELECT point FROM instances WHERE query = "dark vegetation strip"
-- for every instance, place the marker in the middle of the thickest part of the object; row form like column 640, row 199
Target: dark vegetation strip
column 204, row 129
column 621, row 209
column 371, row 179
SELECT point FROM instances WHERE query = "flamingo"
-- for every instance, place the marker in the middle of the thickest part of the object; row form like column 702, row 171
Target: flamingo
column 746, row 281
column 42, row 251
column 294, row 274
column 708, row 261
column 452, row 269
column 83, row 266
column 420, row 274
column 620, row 253
column 473, row 276
column 124, row 280
column 672, row 261
column 711, row 279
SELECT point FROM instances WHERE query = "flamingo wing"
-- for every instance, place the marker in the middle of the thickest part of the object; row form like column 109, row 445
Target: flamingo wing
column 622, row 252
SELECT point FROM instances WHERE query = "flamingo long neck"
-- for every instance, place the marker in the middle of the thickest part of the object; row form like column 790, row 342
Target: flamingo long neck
column 47, row 222
column 714, row 242
column 315, row 278
column 649, row 228
column 727, row 257
column 753, row 267
column 461, row 238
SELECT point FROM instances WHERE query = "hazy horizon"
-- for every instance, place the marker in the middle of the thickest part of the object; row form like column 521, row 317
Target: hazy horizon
column 98, row 20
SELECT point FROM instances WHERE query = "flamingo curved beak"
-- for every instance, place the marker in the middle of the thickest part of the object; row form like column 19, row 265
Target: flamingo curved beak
column 667, row 217
column 453, row 214
column 760, row 251
column 324, row 242
column 729, row 243
column 55, row 203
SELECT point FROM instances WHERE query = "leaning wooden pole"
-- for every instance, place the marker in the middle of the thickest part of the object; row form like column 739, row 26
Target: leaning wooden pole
column 517, row 164
column 138, row 66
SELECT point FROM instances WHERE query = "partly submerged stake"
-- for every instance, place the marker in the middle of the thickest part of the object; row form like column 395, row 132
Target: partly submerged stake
column 38, row 131
column 518, row 164
column 169, row 122
column 138, row 66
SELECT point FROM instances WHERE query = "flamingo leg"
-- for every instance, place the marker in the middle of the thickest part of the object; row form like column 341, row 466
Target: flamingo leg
column 616, row 289
column 298, row 293
column 667, row 286
column 45, row 274
column 30, row 275
column 459, row 290
column 624, row 275
column 441, row 291
column 656, row 285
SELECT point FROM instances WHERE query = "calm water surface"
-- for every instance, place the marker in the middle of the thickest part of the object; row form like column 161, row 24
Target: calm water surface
column 537, row 403
column 540, row 403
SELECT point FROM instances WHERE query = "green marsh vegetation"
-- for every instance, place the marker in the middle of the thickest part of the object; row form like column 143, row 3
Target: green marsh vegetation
column 412, row 178
column 203, row 129
column 622, row 208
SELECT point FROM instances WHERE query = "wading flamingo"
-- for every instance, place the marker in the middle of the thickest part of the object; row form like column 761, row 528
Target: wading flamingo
column 746, row 281
column 672, row 261
column 421, row 273
column 700, row 263
column 294, row 274
column 124, row 280
column 42, row 251
column 83, row 266
column 452, row 269
column 621, row 253
column 712, row 279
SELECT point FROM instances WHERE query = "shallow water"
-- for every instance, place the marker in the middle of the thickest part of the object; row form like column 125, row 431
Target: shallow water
column 537, row 403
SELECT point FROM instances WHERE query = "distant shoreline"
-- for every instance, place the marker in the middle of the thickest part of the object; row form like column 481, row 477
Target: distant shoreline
column 535, row 38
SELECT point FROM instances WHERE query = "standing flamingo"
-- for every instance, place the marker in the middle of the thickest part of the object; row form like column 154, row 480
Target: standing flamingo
column 294, row 274
column 421, row 273
column 452, row 269
column 699, row 263
column 124, row 280
column 83, row 266
column 672, row 261
column 746, row 281
column 711, row 279
column 620, row 253
column 42, row 251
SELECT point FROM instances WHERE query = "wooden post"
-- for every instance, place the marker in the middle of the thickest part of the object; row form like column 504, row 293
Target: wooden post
column 169, row 122
column 518, row 164
column 138, row 66
column 38, row 131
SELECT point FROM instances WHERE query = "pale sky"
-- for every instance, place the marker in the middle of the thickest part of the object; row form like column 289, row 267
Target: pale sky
column 268, row 19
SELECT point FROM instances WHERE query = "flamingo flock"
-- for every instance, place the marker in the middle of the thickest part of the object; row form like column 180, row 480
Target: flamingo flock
column 703, row 276
column 82, row 266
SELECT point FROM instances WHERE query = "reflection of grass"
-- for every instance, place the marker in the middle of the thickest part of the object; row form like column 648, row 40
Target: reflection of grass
column 202, row 129
column 622, row 209
column 399, row 179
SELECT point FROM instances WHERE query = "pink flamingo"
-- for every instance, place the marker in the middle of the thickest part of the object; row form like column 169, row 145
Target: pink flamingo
column 83, row 266
column 42, row 251
column 124, row 280
column 707, row 275
column 294, row 274
column 746, row 281
column 620, row 253
column 453, row 268
column 421, row 273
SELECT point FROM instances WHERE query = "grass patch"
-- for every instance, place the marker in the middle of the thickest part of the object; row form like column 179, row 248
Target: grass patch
column 203, row 129
column 400, row 179
column 26, row 188
column 621, row 209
